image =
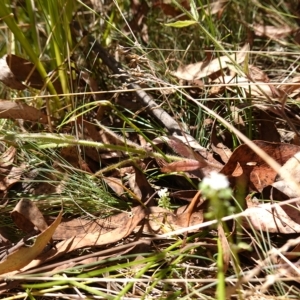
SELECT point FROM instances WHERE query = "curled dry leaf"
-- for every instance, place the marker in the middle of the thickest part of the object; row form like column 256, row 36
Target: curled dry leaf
column 25, row 254
column 7, row 158
column 292, row 166
column 12, row 177
column 199, row 70
column 244, row 161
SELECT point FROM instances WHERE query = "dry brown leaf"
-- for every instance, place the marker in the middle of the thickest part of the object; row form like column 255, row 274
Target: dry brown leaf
column 18, row 110
column 24, row 71
column 12, row 177
column 182, row 166
column 273, row 32
column 257, row 88
column 244, row 160
column 80, row 227
column 24, row 255
column 140, row 185
column 199, row 70
column 265, row 218
column 217, row 145
column 257, row 74
column 99, row 237
column 7, row 76
column 187, row 195
column 15, row 70
column 115, row 184
column 185, row 150
column 26, row 216
column 170, row 9
column 7, row 158
column 292, row 166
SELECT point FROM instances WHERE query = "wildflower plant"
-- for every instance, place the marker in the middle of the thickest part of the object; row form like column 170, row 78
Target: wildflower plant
column 164, row 200
column 215, row 187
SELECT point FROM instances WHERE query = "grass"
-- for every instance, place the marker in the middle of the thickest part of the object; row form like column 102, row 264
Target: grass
column 167, row 266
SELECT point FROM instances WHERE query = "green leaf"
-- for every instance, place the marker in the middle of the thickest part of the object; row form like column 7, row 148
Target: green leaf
column 180, row 24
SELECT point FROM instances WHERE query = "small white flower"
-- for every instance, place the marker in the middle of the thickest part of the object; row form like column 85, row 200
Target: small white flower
column 163, row 193
column 215, row 181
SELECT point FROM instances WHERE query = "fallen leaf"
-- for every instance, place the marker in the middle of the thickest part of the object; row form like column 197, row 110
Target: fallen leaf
column 244, row 160
column 7, row 76
column 115, row 184
column 97, row 235
column 217, row 145
column 11, row 178
column 265, row 218
column 184, row 150
column 24, row 71
column 7, row 158
column 24, row 255
column 292, row 166
column 182, row 166
column 169, row 9
column 273, row 32
column 199, row 70
column 80, row 227
column 16, row 70
column 26, row 216
column 140, row 185
column 19, row 110
column 255, row 88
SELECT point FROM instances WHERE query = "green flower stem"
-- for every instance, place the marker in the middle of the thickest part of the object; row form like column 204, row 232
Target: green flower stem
column 221, row 288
